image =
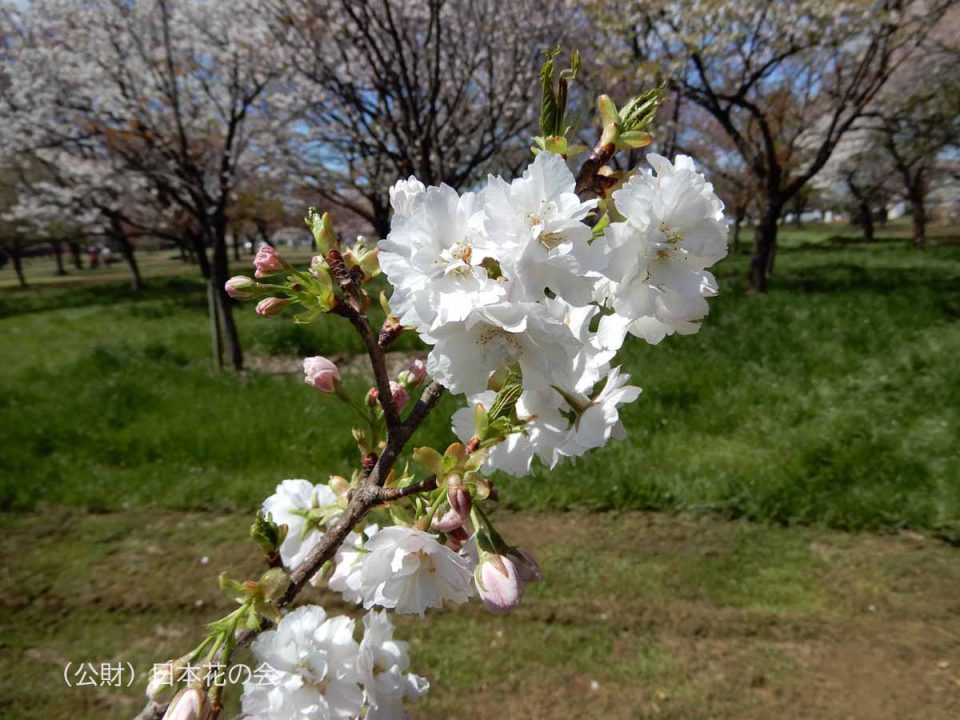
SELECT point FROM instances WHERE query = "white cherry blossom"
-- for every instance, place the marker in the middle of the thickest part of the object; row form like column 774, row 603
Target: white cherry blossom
column 290, row 505
column 408, row 571
column 429, row 258
column 535, row 230
column 497, row 336
column 382, row 664
column 656, row 279
column 314, row 674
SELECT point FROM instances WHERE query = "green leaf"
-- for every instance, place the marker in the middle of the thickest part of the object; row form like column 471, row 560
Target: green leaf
column 549, row 119
column 507, row 398
column 640, row 111
column 233, row 589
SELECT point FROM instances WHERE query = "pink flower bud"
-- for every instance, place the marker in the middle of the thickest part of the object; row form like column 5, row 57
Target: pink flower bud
column 189, row 704
column 399, row 394
column 459, row 497
column 267, row 261
column 268, row 307
column 321, row 374
column 417, row 371
column 527, row 566
column 241, row 287
column 498, row 583
column 451, row 520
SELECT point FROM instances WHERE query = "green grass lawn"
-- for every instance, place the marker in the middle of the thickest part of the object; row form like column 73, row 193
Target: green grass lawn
column 833, row 399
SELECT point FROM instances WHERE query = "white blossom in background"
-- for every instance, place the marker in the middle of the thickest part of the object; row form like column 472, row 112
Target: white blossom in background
column 314, row 663
column 382, row 665
column 656, row 278
column 408, row 571
column 289, row 505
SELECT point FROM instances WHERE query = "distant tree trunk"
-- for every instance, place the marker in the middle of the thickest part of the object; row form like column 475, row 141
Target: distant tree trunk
column 57, row 246
column 866, row 220
column 119, row 234
column 262, row 231
column 16, row 255
column 76, row 254
column 761, row 263
column 381, row 221
column 236, row 246
column 199, row 252
column 918, row 207
column 220, row 273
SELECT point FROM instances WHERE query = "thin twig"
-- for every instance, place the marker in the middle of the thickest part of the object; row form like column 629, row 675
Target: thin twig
column 426, row 485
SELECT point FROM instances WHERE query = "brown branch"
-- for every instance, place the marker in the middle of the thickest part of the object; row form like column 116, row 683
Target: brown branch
column 352, row 308
column 589, row 179
column 364, row 498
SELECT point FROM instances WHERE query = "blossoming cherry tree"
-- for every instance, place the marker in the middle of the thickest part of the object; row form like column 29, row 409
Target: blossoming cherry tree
column 525, row 290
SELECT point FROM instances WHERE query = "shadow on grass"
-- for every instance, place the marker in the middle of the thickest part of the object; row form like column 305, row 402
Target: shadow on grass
column 849, row 276
column 184, row 292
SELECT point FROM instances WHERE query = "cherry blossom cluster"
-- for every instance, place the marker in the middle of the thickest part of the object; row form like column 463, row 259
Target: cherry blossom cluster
column 514, row 277
column 320, row 671
column 525, row 291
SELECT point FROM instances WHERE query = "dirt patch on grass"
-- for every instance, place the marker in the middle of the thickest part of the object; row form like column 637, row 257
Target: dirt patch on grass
column 639, row 616
column 397, row 361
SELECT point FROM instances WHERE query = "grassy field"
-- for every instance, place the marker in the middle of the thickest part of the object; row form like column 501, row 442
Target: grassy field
column 831, row 402
column 832, row 399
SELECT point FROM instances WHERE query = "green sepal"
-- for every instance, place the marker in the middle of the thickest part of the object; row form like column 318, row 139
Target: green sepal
column 234, row 590
column 324, row 236
column 429, row 459
column 601, row 225
column 481, row 422
column 274, row 583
